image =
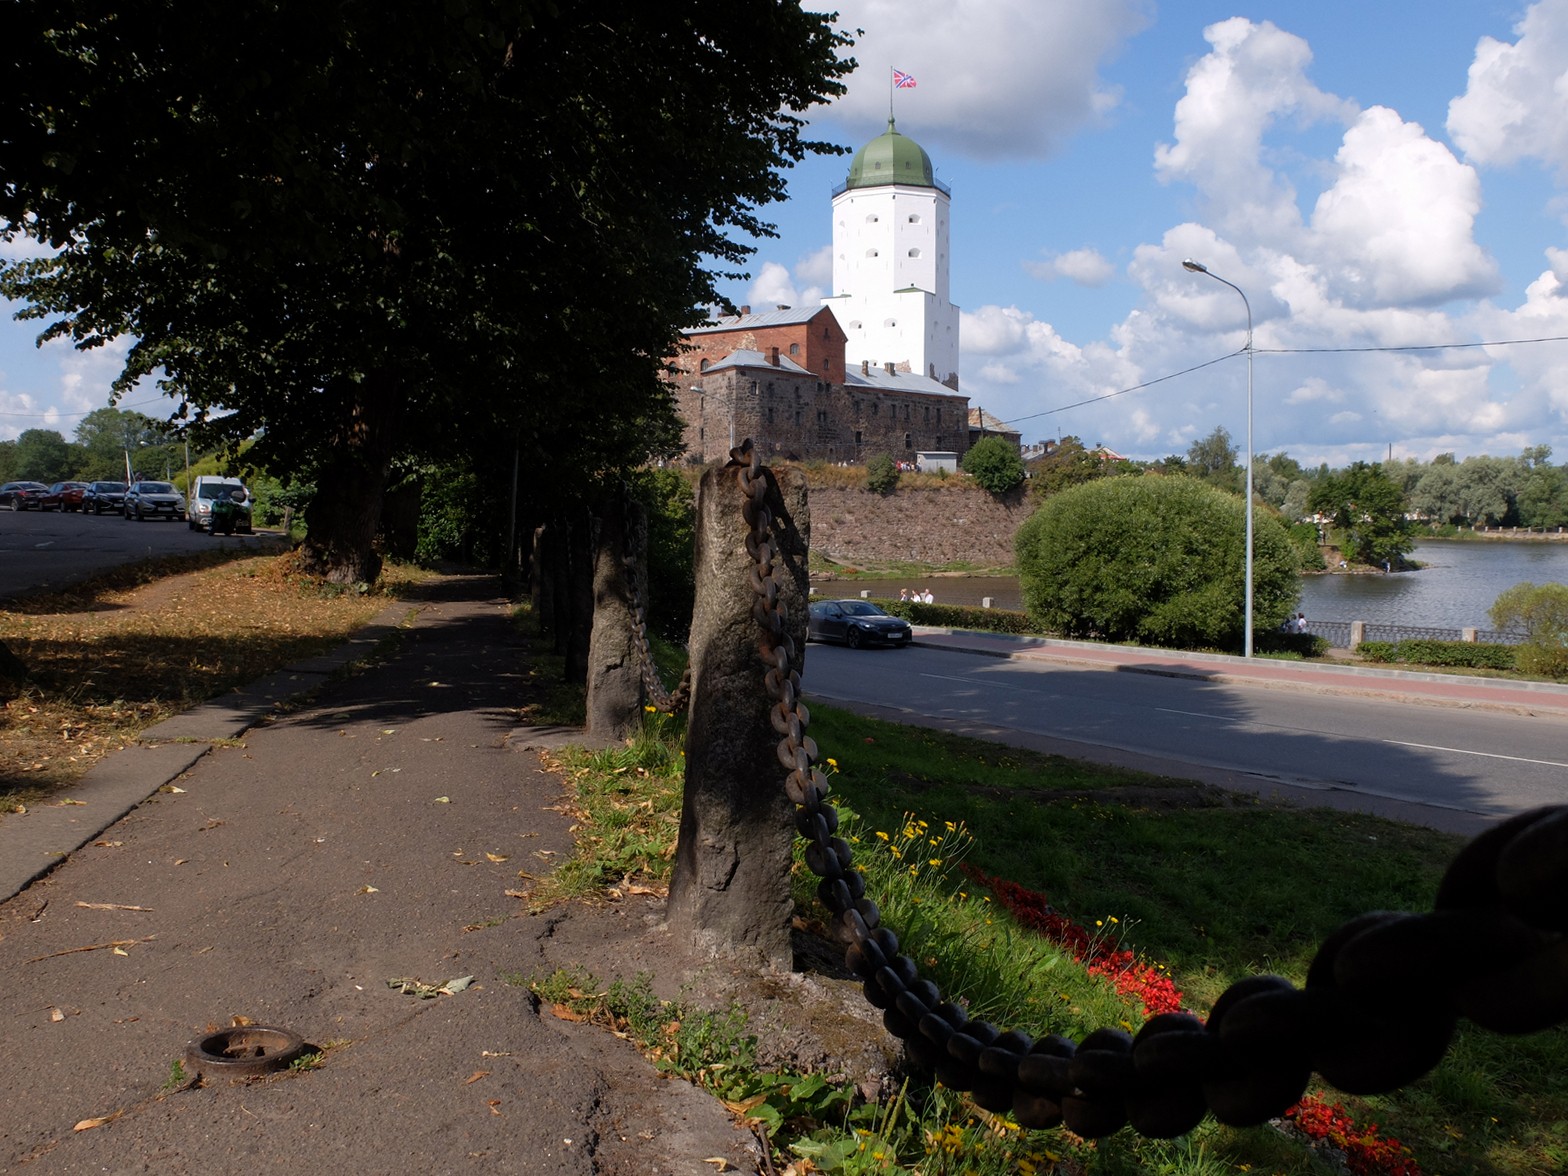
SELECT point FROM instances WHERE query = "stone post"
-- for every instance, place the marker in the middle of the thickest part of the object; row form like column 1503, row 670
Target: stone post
column 1358, row 633
column 730, row 892
column 615, row 691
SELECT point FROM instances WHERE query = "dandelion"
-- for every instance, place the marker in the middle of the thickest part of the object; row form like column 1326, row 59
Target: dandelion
column 649, row 708
column 936, row 861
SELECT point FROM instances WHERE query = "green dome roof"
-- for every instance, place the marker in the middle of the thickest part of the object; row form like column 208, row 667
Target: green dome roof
column 891, row 158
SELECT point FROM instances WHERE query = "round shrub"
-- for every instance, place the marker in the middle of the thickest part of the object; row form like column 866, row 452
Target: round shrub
column 1159, row 560
column 994, row 464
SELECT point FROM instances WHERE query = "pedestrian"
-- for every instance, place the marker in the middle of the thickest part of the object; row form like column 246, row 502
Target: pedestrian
column 927, row 598
column 1301, row 622
column 903, row 596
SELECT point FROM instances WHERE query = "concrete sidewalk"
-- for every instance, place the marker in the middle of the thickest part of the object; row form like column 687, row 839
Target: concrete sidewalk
column 286, row 868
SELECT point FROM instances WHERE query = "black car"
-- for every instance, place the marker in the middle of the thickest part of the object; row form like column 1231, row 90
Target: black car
column 22, row 495
column 855, row 623
column 103, row 496
column 154, row 500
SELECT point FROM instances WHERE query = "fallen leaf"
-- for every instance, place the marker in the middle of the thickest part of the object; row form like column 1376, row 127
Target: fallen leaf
column 453, row 987
column 566, row 1013
column 56, row 1015
column 89, row 1124
column 389, row 730
column 68, row 800
column 720, row 1164
column 516, row 894
column 172, row 788
column 182, row 861
column 121, row 951
column 636, row 888
column 108, row 844
column 495, row 1106
column 368, row 890
column 239, row 1021
column 475, row 1077
column 498, row 857
column 442, row 800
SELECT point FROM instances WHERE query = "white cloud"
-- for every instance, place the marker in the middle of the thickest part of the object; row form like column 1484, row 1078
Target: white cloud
column 1083, row 266
column 775, row 286
column 1398, row 224
column 1513, row 106
column 1000, row 79
column 1254, row 76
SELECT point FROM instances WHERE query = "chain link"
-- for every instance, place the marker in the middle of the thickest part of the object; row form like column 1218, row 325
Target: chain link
column 1380, row 1004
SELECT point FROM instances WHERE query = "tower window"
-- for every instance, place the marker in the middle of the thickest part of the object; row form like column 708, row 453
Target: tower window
column 909, row 441
column 857, row 436
column 794, row 348
column 914, row 253
column 914, row 218
column 872, row 219
column 871, row 252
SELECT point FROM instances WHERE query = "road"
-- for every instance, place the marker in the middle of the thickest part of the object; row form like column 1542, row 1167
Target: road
column 1449, row 766
column 52, row 549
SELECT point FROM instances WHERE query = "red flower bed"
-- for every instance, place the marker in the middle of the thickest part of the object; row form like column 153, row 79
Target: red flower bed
column 1366, row 1153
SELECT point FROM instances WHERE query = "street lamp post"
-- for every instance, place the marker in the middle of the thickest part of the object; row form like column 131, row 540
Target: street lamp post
column 1198, row 267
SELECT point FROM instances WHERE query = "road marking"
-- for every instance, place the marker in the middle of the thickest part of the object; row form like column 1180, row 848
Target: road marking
column 1192, row 714
column 950, row 678
column 1517, row 759
column 50, row 543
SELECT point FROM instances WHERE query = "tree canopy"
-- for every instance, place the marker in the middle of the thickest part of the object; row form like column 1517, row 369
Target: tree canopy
column 995, row 465
column 368, row 232
column 1153, row 559
column 1369, row 508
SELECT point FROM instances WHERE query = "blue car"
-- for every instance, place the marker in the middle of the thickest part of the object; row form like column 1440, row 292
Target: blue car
column 855, row 623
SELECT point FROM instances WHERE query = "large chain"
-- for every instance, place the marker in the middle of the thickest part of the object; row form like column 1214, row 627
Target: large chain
column 1381, row 1001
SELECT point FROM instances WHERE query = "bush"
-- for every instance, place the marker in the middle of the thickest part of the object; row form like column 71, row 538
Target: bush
column 960, row 616
column 881, row 474
column 1540, row 611
column 1159, row 560
column 1423, row 651
column 994, row 464
column 1300, row 644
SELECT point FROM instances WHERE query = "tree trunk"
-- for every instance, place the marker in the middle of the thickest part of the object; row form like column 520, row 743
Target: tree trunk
column 574, row 639
column 730, row 890
column 615, row 688
column 346, row 509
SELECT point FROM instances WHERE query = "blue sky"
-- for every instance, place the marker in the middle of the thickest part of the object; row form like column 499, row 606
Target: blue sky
column 1372, row 175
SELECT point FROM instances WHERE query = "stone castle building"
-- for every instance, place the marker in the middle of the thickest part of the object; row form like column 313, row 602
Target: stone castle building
column 872, row 370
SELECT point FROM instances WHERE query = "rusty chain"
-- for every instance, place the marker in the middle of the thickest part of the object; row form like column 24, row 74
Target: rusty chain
column 671, row 702
column 1380, row 1005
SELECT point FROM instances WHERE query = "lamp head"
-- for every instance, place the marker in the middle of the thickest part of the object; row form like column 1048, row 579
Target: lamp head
column 1196, row 267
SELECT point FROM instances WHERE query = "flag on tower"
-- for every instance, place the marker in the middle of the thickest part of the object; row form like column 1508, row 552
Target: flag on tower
column 903, row 81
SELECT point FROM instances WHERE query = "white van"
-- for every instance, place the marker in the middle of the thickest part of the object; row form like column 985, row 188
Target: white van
column 205, row 488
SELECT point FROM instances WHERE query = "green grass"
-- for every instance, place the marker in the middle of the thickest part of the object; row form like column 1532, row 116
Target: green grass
column 1211, row 885
column 1216, row 887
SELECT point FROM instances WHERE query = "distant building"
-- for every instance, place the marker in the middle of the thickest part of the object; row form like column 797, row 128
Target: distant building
column 983, row 424
column 872, row 370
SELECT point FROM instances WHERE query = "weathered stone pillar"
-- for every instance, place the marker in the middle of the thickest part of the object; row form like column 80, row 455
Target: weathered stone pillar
column 730, row 888
column 615, row 690
column 1358, row 633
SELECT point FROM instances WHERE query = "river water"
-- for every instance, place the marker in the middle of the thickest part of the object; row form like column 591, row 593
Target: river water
column 1453, row 590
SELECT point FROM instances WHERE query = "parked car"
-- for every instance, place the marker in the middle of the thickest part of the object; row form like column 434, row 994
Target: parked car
column 157, row 500
column 207, row 491
column 21, row 495
column 855, row 623
column 103, row 496
column 63, row 496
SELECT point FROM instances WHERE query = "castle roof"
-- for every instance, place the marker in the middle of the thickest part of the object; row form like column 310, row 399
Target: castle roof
column 892, row 158
column 783, row 316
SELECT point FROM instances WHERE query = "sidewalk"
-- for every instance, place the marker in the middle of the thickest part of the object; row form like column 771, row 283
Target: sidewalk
column 285, row 870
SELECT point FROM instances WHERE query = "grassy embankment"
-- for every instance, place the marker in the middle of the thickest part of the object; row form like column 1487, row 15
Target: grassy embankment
column 1201, row 886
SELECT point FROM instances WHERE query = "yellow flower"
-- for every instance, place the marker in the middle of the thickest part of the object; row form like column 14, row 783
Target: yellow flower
column 650, row 708
column 936, row 861
column 881, row 835
column 832, row 763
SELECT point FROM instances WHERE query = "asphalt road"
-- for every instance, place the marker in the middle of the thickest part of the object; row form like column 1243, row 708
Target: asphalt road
column 1464, row 764
column 52, row 549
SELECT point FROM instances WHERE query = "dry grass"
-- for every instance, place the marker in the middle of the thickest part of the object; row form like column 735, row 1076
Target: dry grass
column 110, row 658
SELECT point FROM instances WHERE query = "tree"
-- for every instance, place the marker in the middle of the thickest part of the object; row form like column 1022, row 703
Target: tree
column 1370, row 511
column 363, row 235
column 1153, row 559
column 994, row 463
column 881, row 474
column 42, row 455
column 1213, row 460
column 1540, row 612
column 1068, row 463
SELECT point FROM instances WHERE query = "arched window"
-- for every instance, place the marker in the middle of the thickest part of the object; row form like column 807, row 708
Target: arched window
column 914, row 253
column 914, row 218
column 794, row 348
column 703, row 366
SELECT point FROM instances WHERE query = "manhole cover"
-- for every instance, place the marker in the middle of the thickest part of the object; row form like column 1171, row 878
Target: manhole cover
column 244, row 1051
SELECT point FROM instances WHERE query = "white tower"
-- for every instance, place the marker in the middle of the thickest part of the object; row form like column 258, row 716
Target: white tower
column 890, row 261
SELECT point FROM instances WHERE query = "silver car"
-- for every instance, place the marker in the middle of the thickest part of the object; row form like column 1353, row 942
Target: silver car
column 155, row 500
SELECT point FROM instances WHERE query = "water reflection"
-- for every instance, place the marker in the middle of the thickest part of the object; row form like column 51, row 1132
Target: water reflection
column 1454, row 590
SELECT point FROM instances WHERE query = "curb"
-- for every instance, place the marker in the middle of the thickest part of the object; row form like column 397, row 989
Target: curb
column 35, row 842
